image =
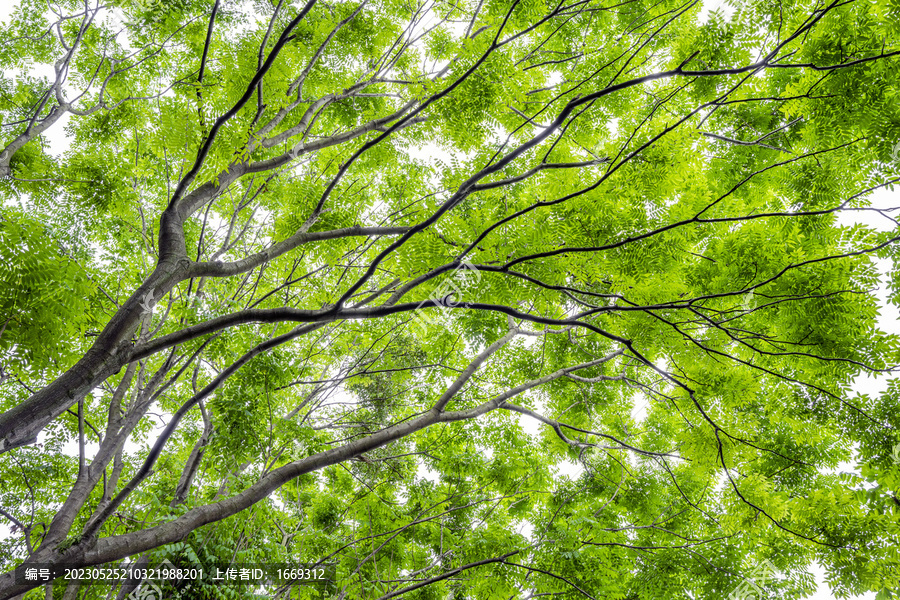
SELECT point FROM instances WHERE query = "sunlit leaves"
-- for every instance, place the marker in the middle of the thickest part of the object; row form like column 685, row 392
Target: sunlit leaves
column 660, row 220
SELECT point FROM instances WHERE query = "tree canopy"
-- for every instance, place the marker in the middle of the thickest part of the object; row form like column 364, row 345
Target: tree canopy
column 305, row 273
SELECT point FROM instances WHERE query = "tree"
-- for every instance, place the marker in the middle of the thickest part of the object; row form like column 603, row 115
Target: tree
column 305, row 269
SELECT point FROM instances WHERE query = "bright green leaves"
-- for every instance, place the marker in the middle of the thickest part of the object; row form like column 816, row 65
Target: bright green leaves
column 421, row 253
column 27, row 23
column 469, row 112
column 96, row 183
column 666, row 240
column 297, row 198
column 243, row 411
column 45, row 298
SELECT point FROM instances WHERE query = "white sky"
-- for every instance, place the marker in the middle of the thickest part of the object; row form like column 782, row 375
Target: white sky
column 888, row 319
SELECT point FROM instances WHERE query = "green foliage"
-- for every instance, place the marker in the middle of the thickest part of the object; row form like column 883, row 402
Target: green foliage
column 45, row 298
column 684, row 225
